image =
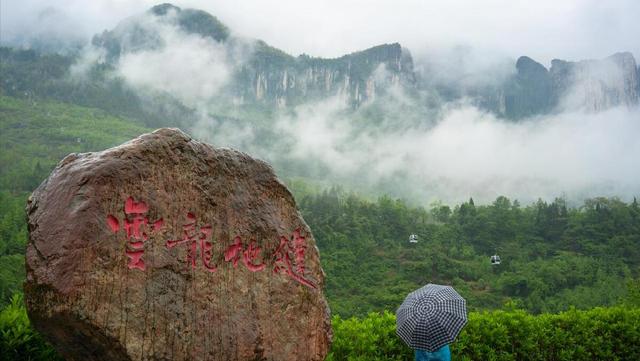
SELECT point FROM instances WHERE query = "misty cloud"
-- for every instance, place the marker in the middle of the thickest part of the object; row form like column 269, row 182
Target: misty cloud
column 467, row 153
column 89, row 57
column 463, row 67
column 190, row 67
column 235, row 135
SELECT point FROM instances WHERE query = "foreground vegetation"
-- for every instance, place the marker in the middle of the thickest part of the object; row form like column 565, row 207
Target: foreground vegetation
column 18, row 340
column 597, row 334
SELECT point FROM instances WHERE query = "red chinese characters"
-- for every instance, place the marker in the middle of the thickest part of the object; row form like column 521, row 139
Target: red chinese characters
column 195, row 236
column 135, row 223
column 289, row 258
column 249, row 254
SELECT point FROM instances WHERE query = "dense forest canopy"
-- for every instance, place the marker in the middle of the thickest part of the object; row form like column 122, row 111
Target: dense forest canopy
column 553, row 257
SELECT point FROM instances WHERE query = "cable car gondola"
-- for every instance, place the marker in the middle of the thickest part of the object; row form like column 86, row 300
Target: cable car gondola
column 413, row 238
column 495, row 260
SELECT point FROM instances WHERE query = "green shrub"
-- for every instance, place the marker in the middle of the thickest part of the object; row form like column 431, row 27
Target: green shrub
column 597, row 334
column 372, row 338
column 18, row 340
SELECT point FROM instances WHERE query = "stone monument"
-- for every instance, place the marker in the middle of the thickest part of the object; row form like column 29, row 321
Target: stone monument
column 165, row 248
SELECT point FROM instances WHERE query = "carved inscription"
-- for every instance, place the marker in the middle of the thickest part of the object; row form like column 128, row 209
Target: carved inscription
column 135, row 226
column 287, row 259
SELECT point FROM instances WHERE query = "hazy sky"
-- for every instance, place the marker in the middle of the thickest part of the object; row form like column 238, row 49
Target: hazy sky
column 542, row 29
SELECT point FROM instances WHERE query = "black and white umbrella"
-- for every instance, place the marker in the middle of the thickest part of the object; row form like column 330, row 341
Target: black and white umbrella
column 431, row 317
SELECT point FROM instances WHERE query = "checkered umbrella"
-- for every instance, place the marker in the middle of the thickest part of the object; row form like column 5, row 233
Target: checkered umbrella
column 431, row 317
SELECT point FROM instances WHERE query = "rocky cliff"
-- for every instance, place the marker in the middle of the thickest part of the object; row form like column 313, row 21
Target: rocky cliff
column 262, row 73
column 355, row 77
column 529, row 91
column 592, row 85
column 596, row 84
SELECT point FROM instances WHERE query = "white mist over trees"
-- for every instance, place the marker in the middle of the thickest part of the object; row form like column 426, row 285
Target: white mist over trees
column 440, row 136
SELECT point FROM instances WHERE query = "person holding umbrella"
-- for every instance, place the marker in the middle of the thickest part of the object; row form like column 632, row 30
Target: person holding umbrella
column 429, row 319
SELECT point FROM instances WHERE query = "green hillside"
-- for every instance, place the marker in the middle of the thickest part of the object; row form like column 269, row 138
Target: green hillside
column 553, row 257
column 35, row 135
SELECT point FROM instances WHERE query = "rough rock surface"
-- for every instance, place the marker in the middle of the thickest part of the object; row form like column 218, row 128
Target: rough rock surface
column 529, row 91
column 165, row 248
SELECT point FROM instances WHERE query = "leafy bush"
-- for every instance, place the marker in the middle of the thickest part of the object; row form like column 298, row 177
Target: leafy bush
column 18, row 340
column 372, row 338
column 597, row 334
column 11, row 276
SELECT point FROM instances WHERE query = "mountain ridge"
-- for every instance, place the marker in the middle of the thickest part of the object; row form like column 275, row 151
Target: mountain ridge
column 272, row 77
column 269, row 75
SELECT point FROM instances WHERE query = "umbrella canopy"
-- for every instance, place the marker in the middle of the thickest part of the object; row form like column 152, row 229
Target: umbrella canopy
column 431, row 317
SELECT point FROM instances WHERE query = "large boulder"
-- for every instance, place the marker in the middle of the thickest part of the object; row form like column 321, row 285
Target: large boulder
column 165, row 248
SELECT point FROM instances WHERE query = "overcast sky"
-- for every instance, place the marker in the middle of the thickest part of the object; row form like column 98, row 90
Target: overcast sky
column 542, row 29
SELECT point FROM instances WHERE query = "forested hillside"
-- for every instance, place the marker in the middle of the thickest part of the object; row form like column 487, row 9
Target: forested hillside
column 553, row 256
column 37, row 134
